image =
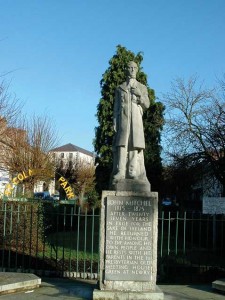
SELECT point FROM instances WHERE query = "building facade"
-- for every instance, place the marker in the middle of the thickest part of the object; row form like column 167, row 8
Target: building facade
column 70, row 154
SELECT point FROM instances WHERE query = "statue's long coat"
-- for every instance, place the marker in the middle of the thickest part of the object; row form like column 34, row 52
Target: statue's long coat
column 128, row 117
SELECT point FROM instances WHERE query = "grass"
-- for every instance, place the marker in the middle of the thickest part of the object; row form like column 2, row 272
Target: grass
column 71, row 245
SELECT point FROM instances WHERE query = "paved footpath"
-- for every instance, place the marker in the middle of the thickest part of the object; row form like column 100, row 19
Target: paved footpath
column 79, row 290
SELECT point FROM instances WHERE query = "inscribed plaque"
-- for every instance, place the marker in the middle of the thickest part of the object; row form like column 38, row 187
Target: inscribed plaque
column 129, row 236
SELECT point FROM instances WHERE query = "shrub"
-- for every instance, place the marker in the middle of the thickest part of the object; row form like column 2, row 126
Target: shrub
column 21, row 227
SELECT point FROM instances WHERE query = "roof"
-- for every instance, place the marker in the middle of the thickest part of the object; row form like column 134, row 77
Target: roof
column 72, row 148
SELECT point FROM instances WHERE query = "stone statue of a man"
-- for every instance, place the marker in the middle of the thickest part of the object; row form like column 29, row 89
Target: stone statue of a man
column 131, row 97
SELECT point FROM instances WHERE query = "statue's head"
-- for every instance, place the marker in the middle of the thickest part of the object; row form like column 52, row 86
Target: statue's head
column 132, row 69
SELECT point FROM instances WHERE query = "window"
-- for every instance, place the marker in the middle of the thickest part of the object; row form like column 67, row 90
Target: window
column 70, row 164
column 62, row 155
column 70, row 155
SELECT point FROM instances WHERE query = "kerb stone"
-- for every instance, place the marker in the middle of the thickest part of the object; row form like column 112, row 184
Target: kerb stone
column 125, row 295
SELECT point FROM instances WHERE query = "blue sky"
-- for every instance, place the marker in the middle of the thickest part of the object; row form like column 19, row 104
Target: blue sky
column 58, row 50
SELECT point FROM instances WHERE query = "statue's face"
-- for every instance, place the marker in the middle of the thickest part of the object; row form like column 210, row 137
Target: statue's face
column 132, row 69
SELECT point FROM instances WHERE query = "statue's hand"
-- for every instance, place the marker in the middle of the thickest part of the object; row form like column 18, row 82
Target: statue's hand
column 114, row 126
column 136, row 91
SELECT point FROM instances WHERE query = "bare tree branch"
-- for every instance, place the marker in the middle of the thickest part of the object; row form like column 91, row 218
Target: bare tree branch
column 196, row 123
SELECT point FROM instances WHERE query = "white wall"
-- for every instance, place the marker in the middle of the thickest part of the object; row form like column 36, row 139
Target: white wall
column 77, row 156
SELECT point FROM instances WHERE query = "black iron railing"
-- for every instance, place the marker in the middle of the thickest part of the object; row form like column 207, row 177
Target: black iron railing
column 53, row 239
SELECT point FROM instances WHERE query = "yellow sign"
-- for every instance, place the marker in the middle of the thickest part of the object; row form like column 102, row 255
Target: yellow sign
column 31, row 172
column 67, row 188
column 16, row 180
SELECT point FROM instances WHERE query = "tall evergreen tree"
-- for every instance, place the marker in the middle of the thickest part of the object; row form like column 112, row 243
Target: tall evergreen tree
column 152, row 118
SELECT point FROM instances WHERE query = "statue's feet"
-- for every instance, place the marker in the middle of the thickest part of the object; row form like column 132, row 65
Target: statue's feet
column 120, row 175
column 133, row 175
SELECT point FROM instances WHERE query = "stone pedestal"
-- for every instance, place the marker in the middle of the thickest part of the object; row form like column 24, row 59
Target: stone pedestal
column 139, row 186
column 128, row 246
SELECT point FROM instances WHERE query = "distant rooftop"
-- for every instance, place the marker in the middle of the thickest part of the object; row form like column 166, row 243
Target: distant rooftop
column 72, row 148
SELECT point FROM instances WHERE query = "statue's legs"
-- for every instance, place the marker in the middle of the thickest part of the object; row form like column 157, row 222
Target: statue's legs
column 132, row 164
column 136, row 167
column 142, row 171
column 122, row 161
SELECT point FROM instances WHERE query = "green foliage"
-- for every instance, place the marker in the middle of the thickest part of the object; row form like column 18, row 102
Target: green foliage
column 93, row 199
column 153, row 119
column 153, row 124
